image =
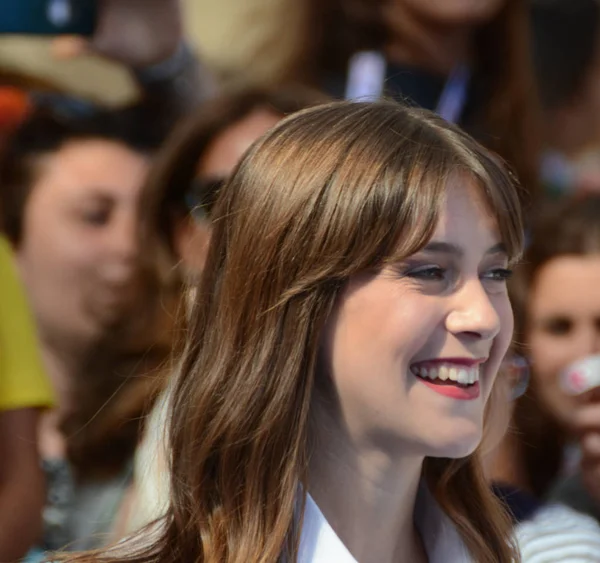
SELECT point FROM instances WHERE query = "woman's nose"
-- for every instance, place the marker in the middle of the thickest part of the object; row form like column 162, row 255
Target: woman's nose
column 474, row 313
column 586, row 341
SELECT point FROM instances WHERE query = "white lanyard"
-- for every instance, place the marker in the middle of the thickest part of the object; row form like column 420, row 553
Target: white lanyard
column 366, row 79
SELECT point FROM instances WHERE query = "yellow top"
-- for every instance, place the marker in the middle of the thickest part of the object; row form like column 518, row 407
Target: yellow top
column 23, row 381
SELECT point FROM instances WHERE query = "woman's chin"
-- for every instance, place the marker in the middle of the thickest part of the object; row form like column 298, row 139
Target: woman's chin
column 455, row 444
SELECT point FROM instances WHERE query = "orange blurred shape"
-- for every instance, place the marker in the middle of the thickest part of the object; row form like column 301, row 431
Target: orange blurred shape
column 14, row 108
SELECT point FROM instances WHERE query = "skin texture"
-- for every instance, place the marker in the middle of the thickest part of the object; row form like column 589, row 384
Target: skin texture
column 433, row 305
column 21, row 483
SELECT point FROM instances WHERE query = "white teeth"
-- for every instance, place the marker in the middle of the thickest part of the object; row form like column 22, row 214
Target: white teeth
column 463, row 376
column 460, row 374
column 453, row 375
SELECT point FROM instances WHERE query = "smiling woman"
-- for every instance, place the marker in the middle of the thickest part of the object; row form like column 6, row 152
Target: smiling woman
column 374, row 242
column 441, row 312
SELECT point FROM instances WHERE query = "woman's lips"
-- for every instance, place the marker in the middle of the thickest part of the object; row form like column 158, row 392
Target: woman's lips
column 457, row 378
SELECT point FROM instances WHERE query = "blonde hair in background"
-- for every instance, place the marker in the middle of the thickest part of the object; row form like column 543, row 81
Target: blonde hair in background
column 330, row 192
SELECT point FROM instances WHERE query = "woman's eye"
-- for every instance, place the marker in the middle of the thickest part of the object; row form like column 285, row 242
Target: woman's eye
column 95, row 217
column 431, row 273
column 498, row 275
column 558, row 326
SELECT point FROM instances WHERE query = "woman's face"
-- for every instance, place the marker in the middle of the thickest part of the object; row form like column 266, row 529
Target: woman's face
column 563, row 313
column 400, row 338
column 454, row 12
column 78, row 254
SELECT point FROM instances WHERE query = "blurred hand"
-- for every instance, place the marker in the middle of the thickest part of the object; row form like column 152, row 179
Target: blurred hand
column 136, row 33
column 586, row 427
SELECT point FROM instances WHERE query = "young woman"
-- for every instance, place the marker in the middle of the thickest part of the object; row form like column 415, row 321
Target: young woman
column 341, row 364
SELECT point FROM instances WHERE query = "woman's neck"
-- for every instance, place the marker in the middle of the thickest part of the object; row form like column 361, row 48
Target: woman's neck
column 425, row 44
column 62, row 365
column 368, row 497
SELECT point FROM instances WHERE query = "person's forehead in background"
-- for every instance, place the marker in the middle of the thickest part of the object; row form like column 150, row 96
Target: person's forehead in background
column 226, row 150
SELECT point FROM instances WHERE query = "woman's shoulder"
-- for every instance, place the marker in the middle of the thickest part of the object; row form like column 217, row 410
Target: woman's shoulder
column 558, row 533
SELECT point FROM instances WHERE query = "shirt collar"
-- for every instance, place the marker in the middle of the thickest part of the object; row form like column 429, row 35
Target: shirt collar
column 320, row 544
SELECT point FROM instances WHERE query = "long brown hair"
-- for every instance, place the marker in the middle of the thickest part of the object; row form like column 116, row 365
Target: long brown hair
column 330, row 192
column 507, row 120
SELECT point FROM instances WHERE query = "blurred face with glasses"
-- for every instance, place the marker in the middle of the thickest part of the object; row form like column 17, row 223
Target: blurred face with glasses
column 214, row 167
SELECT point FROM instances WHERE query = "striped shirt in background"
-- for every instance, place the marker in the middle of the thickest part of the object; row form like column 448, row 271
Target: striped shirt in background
column 558, row 534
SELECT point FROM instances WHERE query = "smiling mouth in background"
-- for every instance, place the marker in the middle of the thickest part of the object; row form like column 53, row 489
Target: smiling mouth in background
column 454, row 378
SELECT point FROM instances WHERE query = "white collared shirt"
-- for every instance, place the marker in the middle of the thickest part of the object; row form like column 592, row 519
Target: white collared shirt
column 320, row 544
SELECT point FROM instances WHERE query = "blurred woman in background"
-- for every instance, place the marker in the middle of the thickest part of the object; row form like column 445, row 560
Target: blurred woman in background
column 557, row 308
column 71, row 192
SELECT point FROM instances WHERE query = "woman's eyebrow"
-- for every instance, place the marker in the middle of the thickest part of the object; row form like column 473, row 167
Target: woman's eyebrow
column 455, row 250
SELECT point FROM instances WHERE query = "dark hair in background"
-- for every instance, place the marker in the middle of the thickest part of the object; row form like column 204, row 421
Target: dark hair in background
column 508, row 121
column 565, row 43
column 570, row 227
column 176, row 165
column 46, row 131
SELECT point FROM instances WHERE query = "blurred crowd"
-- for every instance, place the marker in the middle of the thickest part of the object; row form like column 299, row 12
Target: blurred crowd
column 105, row 213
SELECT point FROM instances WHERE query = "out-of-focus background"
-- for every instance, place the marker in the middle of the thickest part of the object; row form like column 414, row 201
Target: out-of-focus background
column 228, row 33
